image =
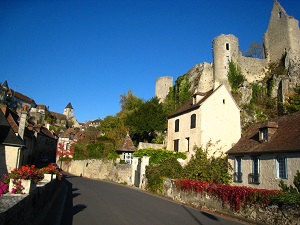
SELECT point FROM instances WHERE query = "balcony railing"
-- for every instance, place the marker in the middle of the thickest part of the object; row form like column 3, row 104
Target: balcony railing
column 253, row 178
column 238, row 177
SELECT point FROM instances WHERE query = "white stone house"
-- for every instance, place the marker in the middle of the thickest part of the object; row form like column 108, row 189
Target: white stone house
column 267, row 153
column 211, row 117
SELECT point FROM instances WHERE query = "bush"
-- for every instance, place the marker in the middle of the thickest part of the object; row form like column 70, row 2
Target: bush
column 290, row 195
column 170, row 168
column 211, row 169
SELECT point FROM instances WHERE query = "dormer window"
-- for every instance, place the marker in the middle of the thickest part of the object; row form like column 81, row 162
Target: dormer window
column 194, row 99
column 266, row 131
column 263, row 135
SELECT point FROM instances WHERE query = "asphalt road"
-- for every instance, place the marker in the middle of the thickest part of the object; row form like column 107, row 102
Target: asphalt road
column 102, row 203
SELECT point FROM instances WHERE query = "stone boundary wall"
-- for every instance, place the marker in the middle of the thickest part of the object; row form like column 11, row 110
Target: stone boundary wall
column 100, row 169
column 253, row 214
column 143, row 145
column 42, row 206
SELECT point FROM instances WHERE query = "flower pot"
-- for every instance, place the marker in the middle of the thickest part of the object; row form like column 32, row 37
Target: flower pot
column 47, row 177
column 27, row 185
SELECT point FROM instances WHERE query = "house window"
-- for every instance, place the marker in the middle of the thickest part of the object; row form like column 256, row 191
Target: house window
column 227, row 59
column 193, row 121
column 254, row 176
column 238, row 169
column 187, row 144
column 227, row 46
column 281, row 167
column 176, row 145
column 177, row 125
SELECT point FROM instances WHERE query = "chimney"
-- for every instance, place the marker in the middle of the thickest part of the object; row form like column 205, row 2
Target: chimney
column 22, row 122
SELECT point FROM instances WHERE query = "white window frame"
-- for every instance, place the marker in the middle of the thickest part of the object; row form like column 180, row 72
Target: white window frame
column 278, row 161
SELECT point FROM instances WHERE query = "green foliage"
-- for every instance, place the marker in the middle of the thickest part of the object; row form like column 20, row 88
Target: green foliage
column 130, row 102
column 210, row 169
column 178, row 94
column 158, row 155
column 164, row 164
column 297, row 181
column 49, row 118
column 262, row 105
column 146, row 120
column 278, row 68
column 235, row 76
column 290, row 195
column 292, row 103
column 169, row 167
column 103, row 148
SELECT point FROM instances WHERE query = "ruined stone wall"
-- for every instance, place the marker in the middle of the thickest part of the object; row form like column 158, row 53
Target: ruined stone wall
column 162, row 87
column 253, row 69
column 282, row 34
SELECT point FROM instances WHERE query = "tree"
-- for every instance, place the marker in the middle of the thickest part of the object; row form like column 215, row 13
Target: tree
column 146, row 120
column 130, row 102
column 255, row 50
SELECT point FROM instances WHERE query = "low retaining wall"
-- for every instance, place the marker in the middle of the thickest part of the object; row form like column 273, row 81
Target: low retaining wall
column 258, row 215
column 39, row 207
column 100, row 169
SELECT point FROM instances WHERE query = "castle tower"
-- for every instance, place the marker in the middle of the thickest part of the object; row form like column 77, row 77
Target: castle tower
column 282, row 35
column 225, row 49
column 162, row 87
column 69, row 111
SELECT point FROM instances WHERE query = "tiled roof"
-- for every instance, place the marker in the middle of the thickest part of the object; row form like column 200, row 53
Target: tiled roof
column 189, row 106
column 7, row 135
column 69, row 106
column 285, row 139
column 22, row 97
column 43, row 130
column 127, row 145
column 58, row 115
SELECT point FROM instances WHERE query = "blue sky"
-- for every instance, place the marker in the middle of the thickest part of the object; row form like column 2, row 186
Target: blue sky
column 90, row 52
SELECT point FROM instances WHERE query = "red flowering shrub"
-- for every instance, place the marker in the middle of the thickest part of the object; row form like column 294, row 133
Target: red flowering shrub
column 236, row 196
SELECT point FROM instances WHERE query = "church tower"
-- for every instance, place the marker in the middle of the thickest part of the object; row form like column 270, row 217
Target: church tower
column 69, row 111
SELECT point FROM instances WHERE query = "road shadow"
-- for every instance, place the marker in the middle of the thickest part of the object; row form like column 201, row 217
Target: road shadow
column 191, row 214
column 208, row 215
column 70, row 210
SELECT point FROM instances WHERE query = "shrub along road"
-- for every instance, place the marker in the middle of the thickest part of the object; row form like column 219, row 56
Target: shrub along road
column 96, row 202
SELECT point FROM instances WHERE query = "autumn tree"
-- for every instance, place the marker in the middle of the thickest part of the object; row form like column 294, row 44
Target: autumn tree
column 292, row 103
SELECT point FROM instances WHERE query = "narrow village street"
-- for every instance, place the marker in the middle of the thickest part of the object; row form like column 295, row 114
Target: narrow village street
column 97, row 202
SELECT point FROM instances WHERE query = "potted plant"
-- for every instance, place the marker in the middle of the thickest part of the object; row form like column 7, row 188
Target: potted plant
column 24, row 180
column 51, row 172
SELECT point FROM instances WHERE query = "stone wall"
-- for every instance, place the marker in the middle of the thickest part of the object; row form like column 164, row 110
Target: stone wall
column 251, row 213
column 143, row 145
column 42, row 206
column 100, row 169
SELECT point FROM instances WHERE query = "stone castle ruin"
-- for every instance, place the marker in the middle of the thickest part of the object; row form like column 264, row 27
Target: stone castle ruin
column 282, row 38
